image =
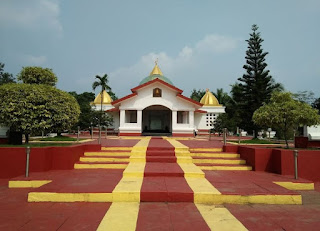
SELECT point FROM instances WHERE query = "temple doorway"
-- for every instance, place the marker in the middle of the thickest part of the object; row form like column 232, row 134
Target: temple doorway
column 157, row 121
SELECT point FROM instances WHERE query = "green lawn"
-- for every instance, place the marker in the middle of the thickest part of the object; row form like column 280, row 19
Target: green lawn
column 58, row 138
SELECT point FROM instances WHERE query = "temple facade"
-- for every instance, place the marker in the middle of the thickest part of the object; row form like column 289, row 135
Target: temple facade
column 157, row 107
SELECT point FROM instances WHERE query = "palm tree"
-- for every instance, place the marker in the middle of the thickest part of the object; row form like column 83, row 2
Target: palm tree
column 103, row 83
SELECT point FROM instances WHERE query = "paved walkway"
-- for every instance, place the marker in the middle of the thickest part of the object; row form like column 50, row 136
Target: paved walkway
column 165, row 191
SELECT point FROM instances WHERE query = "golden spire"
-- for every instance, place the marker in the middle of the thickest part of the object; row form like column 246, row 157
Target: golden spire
column 209, row 99
column 156, row 70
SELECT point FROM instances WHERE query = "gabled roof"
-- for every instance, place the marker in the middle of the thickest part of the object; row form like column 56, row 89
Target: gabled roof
column 179, row 92
column 154, row 81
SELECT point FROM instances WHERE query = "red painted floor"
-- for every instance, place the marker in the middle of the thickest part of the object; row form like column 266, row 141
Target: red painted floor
column 248, row 182
column 170, row 216
column 202, row 143
column 81, row 181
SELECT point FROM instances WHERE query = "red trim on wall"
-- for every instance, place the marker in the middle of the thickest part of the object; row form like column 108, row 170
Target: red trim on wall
column 124, row 98
column 113, row 110
column 129, row 134
column 156, row 80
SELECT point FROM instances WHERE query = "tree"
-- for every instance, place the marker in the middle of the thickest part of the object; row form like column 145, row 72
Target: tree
column 5, row 77
column 103, row 83
column 285, row 113
column 30, row 108
column 197, row 94
column 316, row 104
column 37, row 75
column 222, row 96
column 256, row 86
column 304, row 96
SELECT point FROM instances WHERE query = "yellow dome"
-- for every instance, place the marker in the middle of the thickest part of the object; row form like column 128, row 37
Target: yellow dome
column 106, row 98
column 209, row 99
column 156, row 70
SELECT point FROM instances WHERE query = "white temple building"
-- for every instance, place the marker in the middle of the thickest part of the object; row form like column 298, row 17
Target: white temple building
column 156, row 106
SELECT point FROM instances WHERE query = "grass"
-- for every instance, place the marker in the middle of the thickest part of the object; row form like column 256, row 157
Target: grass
column 58, row 138
column 36, row 145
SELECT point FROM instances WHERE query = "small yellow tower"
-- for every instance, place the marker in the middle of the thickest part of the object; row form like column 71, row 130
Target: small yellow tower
column 209, row 100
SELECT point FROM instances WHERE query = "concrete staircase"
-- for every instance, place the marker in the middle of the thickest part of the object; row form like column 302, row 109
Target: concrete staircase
column 107, row 158
column 215, row 159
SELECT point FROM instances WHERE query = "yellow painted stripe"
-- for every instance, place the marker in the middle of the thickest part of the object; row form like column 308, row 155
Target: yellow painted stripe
column 107, row 153
column 296, row 186
column 69, row 197
column 209, row 198
column 218, row 161
column 230, row 168
column 219, row 218
column 116, row 148
column 191, row 170
column 103, row 159
column 120, row 216
column 98, row 166
column 207, row 154
column 206, row 149
column 27, row 183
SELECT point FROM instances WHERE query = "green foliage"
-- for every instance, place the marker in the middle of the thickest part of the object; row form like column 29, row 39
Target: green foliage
column 285, row 113
column 197, row 94
column 30, row 108
column 5, row 77
column 316, row 104
column 59, row 138
column 256, row 86
column 222, row 96
column 37, row 75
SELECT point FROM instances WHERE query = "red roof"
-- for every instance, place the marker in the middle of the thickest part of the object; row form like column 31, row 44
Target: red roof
column 113, row 110
column 190, row 100
column 200, row 111
column 124, row 98
column 156, row 80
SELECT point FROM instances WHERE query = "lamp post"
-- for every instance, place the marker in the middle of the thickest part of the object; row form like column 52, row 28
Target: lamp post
column 78, row 134
column 27, row 162
column 269, row 131
column 91, row 131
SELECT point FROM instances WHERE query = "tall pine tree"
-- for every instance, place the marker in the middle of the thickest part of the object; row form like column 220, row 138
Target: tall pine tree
column 256, row 85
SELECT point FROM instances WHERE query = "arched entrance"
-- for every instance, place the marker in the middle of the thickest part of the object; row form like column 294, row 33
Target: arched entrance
column 156, row 120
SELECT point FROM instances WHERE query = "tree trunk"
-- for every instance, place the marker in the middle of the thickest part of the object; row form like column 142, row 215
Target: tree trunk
column 27, row 138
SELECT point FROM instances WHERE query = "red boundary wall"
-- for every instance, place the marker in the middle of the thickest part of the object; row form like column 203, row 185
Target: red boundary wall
column 13, row 160
column 280, row 161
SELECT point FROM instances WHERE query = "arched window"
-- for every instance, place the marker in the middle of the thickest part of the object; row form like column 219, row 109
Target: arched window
column 157, row 92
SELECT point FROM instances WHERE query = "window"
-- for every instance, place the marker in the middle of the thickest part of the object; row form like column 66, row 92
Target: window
column 157, row 92
column 182, row 117
column 131, row 116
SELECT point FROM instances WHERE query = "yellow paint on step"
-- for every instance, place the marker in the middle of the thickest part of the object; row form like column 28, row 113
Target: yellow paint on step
column 115, row 148
column 206, row 149
column 296, row 186
column 120, row 216
column 27, row 183
column 219, row 218
column 227, row 168
column 100, row 166
column 191, row 170
column 202, row 189
column 222, row 155
column 103, row 159
column 210, row 198
column 69, row 197
column 218, row 161
column 107, row 153
column 128, row 190
column 134, row 169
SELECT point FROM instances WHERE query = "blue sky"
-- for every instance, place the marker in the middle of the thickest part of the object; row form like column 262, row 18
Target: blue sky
column 199, row 44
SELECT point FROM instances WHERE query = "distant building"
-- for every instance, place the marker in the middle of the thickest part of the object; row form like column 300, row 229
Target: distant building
column 156, row 106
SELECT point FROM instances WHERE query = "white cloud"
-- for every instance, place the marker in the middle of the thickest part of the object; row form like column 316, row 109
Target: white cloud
column 31, row 14
column 183, row 69
column 33, row 60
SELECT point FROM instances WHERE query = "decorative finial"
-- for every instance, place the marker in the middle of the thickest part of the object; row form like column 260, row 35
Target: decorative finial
column 207, row 89
column 156, row 62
